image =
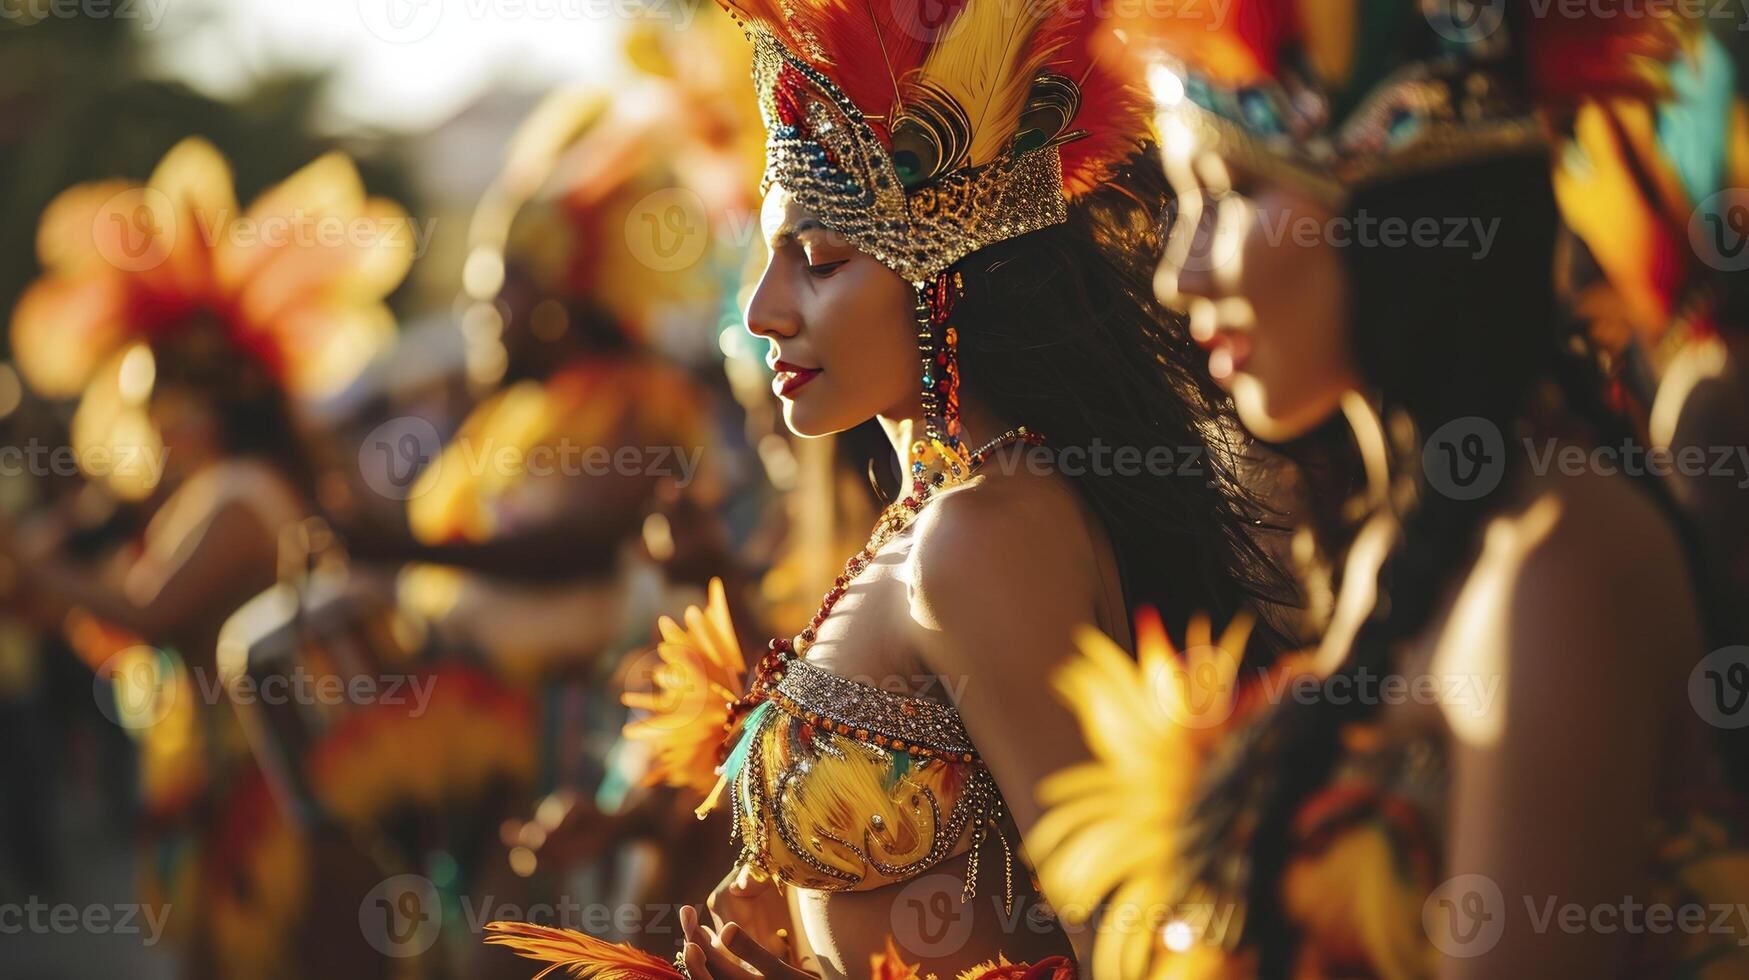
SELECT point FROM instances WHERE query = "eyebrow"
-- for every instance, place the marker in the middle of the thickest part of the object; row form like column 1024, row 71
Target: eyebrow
column 788, row 233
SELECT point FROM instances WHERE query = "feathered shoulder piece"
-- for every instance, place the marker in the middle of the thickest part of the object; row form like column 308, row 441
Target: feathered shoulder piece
column 924, row 131
column 1341, row 94
column 1113, row 827
column 687, row 711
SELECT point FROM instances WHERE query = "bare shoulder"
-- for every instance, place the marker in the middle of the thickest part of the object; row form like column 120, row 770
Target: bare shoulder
column 1578, row 538
column 1007, row 549
column 1582, row 581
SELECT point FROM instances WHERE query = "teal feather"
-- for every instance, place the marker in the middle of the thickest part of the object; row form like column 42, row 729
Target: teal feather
column 749, row 734
column 899, row 769
column 1694, row 124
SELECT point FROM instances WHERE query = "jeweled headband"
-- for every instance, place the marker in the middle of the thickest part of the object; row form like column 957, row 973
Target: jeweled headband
column 1391, row 89
column 922, row 143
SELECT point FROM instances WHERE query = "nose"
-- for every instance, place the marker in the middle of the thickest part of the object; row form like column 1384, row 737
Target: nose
column 770, row 312
column 1190, row 260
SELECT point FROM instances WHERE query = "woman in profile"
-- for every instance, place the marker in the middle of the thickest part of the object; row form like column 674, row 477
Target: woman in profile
column 1497, row 722
column 964, row 204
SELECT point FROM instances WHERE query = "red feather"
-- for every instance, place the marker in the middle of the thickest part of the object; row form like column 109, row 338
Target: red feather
column 1113, row 112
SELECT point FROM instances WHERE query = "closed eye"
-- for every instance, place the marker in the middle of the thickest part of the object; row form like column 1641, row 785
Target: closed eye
column 825, row 269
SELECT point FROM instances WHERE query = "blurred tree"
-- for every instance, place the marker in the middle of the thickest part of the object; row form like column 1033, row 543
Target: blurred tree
column 76, row 106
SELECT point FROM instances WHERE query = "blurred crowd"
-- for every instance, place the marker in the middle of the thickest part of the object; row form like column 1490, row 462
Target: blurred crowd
column 344, row 484
column 343, row 479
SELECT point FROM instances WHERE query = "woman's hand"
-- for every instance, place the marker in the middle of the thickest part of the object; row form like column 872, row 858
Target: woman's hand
column 757, row 904
column 730, row 954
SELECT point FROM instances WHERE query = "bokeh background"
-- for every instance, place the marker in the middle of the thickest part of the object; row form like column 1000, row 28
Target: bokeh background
column 374, row 381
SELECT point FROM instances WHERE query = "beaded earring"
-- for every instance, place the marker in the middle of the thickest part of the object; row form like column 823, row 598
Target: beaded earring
column 937, row 347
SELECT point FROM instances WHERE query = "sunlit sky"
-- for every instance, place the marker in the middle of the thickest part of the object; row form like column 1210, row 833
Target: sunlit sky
column 402, row 64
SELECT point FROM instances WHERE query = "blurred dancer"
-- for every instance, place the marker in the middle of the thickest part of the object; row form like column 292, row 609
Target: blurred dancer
column 1654, row 194
column 185, row 322
column 1548, row 619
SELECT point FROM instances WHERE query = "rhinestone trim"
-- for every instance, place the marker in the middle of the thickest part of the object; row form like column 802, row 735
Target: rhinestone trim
column 919, row 726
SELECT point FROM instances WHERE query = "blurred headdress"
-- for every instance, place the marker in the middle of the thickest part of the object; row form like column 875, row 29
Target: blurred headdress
column 1333, row 94
column 1650, row 189
column 295, row 282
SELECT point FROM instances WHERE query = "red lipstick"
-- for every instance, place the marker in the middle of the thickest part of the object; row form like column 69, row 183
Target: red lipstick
column 791, row 377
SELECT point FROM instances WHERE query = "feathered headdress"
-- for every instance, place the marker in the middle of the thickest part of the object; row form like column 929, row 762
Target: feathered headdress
column 924, row 133
column 295, row 281
column 1339, row 93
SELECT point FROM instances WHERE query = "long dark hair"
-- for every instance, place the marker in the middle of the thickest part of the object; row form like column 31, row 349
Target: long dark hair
column 1059, row 330
column 1440, row 334
column 248, row 402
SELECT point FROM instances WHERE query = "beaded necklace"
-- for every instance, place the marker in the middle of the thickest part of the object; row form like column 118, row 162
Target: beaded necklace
column 952, row 469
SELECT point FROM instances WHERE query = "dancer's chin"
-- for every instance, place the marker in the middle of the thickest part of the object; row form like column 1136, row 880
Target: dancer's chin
column 1272, row 418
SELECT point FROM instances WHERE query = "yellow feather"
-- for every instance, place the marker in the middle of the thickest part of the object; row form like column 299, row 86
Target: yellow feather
column 986, row 61
column 1330, row 26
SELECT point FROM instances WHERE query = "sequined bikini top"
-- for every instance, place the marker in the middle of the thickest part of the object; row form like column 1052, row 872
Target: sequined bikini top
column 841, row 786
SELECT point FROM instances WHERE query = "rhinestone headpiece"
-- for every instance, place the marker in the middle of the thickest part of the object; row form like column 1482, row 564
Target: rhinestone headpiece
column 924, row 131
column 823, row 151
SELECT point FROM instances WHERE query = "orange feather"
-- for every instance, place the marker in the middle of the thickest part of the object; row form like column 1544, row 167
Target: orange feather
column 583, row 957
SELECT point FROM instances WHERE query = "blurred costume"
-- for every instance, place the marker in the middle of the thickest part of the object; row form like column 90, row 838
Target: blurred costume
column 1327, row 104
column 921, row 142
column 598, row 272
column 171, row 283
column 1653, row 196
